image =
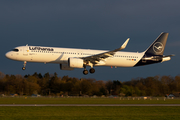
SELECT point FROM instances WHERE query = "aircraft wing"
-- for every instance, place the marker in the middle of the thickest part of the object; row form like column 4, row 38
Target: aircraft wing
column 94, row 59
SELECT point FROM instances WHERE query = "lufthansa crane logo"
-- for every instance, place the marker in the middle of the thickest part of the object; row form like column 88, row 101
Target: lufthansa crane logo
column 158, row 47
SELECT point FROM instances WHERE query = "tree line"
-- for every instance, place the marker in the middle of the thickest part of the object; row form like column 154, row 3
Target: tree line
column 51, row 84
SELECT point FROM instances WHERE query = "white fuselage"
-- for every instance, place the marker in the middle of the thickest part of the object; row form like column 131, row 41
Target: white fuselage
column 61, row 55
column 69, row 58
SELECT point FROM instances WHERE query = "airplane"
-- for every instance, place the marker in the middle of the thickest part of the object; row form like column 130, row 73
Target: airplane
column 70, row 58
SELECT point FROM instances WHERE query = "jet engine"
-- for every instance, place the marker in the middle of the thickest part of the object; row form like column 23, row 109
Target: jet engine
column 75, row 62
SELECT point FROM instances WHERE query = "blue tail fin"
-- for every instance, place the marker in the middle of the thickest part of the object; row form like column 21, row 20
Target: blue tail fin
column 158, row 46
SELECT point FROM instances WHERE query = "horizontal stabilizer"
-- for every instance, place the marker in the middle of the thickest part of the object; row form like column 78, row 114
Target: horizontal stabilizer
column 168, row 55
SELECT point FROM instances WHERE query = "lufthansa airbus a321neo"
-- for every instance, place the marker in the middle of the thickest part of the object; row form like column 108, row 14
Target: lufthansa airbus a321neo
column 69, row 58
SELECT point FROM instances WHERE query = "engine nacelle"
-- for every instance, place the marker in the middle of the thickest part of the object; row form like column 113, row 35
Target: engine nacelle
column 65, row 67
column 75, row 63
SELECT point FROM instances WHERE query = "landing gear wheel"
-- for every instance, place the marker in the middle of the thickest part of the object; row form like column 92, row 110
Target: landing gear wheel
column 92, row 70
column 85, row 72
column 23, row 68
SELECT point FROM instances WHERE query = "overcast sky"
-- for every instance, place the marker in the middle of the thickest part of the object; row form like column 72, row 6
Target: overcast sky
column 95, row 24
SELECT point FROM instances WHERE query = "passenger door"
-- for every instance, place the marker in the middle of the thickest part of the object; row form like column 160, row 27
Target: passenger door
column 25, row 50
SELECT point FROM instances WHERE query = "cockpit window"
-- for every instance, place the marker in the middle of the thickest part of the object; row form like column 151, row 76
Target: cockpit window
column 15, row 50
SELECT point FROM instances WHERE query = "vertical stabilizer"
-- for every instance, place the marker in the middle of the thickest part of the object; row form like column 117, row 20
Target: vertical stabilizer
column 158, row 46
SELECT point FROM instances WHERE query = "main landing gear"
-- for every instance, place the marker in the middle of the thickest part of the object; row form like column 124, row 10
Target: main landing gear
column 23, row 68
column 85, row 72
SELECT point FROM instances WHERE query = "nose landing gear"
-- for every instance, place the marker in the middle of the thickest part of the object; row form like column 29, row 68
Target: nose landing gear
column 23, row 68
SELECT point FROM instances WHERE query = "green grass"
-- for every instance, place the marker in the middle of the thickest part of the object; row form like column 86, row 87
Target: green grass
column 89, row 113
column 46, row 100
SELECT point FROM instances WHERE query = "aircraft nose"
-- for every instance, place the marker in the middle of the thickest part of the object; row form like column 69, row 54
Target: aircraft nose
column 8, row 55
